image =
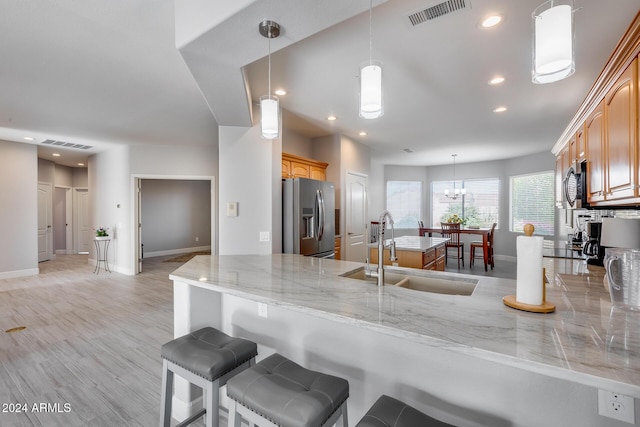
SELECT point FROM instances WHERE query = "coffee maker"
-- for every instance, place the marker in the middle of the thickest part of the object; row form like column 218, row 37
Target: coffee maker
column 591, row 248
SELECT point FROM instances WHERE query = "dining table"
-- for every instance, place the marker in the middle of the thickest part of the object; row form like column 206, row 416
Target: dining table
column 484, row 232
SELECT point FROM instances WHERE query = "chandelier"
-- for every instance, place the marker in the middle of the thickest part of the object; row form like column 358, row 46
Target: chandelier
column 457, row 192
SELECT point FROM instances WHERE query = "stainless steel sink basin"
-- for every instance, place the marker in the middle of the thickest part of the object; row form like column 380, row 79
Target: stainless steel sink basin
column 443, row 284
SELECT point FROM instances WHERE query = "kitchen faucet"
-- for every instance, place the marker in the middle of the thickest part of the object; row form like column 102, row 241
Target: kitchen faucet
column 384, row 217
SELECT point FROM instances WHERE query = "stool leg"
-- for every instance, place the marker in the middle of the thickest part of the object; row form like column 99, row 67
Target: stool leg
column 166, row 395
column 234, row 419
column 344, row 418
column 213, row 404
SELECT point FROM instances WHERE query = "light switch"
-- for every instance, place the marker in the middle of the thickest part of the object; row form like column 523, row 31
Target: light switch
column 232, row 208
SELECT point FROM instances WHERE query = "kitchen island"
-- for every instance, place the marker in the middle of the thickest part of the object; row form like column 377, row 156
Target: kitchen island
column 414, row 252
column 468, row 360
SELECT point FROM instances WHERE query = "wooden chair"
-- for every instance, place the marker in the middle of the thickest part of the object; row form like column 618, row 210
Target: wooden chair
column 478, row 244
column 452, row 231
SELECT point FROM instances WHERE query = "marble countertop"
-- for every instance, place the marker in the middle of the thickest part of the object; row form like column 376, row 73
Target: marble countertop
column 585, row 340
column 414, row 243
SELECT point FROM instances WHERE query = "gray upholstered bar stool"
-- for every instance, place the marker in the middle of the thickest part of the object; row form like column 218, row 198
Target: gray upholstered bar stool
column 390, row 412
column 279, row 392
column 206, row 358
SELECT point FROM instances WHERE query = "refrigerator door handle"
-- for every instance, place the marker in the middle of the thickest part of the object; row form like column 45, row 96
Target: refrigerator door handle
column 321, row 215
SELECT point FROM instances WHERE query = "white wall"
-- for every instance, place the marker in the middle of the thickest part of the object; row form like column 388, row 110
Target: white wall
column 251, row 175
column 19, row 213
column 174, row 214
column 110, row 204
column 296, row 144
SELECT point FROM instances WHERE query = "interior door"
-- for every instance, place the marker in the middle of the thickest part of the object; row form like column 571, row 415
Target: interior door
column 83, row 228
column 45, row 219
column 356, row 214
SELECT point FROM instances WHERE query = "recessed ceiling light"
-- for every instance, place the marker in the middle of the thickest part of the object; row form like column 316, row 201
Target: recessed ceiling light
column 491, row 21
column 496, row 80
column 500, row 109
column 332, row 118
column 281, row 92
column 80, row 164
column 363, row 133
column 56, row 154
column 28, row 138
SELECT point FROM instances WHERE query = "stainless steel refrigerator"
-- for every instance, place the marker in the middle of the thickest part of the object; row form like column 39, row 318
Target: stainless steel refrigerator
column 308, row 217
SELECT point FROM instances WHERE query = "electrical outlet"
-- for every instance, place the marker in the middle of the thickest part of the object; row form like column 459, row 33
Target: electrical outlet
column 617, row 406
column 264, row 236
column 197, row 239
column 263, row 310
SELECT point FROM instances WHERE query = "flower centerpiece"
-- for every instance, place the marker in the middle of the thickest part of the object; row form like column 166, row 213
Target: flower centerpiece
column 102, row 232
column 455, row 219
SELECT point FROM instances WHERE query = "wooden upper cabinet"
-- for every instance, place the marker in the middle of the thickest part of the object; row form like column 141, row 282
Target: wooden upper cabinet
column 580, row 151
column 621, row 117
column 594, row 129
column 301, row 167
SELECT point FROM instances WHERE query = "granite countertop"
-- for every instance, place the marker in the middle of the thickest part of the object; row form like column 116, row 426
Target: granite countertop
column 585, row 340
column 414, row 243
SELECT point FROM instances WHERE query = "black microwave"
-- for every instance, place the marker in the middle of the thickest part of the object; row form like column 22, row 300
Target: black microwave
column 575, row 186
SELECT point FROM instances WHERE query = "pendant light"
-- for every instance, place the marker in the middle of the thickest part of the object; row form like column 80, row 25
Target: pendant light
column 456, row 191
column 269, row 106
column 553, row 41
column 371, row 81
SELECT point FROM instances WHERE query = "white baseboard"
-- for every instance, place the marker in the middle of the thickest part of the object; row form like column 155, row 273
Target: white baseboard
column 19, row 273
column 177, row 251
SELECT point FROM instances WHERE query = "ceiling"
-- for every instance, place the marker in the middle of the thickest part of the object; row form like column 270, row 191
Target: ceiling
column 100, row 73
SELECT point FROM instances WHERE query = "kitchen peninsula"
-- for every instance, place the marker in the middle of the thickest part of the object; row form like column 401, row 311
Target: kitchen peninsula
column 468, row 360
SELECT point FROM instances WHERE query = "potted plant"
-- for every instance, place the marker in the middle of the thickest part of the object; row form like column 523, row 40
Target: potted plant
column 102, row 233
column 455, row 219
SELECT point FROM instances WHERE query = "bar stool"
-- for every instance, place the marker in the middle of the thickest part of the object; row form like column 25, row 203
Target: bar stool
column 206, row 358
column 390, row 412
column 279, row 392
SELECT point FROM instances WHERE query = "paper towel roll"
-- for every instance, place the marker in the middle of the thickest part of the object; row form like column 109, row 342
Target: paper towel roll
column 529, row 270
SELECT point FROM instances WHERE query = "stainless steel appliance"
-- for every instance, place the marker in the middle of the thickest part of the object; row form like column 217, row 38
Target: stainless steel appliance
column 574, row 186
column 308, row 217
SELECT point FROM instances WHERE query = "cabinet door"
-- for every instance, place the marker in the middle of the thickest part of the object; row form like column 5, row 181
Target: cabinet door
column 317, row 173
column 299, row 170
column 594, row 129
column 621, row 123
column 559, row 179
column 580, row 151
column 286, row 169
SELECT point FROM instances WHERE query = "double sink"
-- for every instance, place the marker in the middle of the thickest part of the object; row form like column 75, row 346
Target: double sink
column 443, row 284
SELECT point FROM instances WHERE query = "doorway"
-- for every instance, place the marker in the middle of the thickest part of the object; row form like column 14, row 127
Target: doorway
column 45, row 221
column 187, row 208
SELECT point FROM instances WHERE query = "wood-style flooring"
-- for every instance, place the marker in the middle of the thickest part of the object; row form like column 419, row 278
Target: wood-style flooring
column 90, row 353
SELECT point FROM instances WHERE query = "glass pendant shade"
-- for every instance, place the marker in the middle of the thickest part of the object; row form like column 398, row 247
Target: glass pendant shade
column 553, row 45
column 270, row 120
column 371, row 91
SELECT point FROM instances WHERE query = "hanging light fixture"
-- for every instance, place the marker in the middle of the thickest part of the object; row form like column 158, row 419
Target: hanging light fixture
column 457, row 192
column 371, row 81
column 269, row 106
column 553, row 41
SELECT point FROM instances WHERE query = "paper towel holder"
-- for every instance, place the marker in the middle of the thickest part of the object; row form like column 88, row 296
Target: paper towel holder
column 546, row 306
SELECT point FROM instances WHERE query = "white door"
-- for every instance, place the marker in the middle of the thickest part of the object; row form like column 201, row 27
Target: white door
column 82, row 226
column 139, row 251
column 356, row 214
column 45, row 219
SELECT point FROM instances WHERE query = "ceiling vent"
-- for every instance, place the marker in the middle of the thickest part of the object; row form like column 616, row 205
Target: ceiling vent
column 55, row 143
column 437, row 10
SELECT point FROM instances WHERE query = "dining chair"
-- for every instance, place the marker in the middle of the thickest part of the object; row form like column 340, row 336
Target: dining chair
column 478, row 244
column 452, row 232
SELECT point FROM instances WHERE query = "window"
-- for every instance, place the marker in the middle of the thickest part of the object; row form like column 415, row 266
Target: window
column 532, row 202
column 479, row 206
column 404, row 201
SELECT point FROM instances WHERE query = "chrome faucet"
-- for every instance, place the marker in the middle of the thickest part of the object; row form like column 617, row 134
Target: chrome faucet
column 384, row 217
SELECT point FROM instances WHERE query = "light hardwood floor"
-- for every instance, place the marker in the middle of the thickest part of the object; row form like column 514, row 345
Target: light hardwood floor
column 91, row 341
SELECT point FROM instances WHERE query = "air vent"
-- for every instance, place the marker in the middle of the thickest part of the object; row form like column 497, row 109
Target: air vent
column 55, row 143
column 437, row 10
